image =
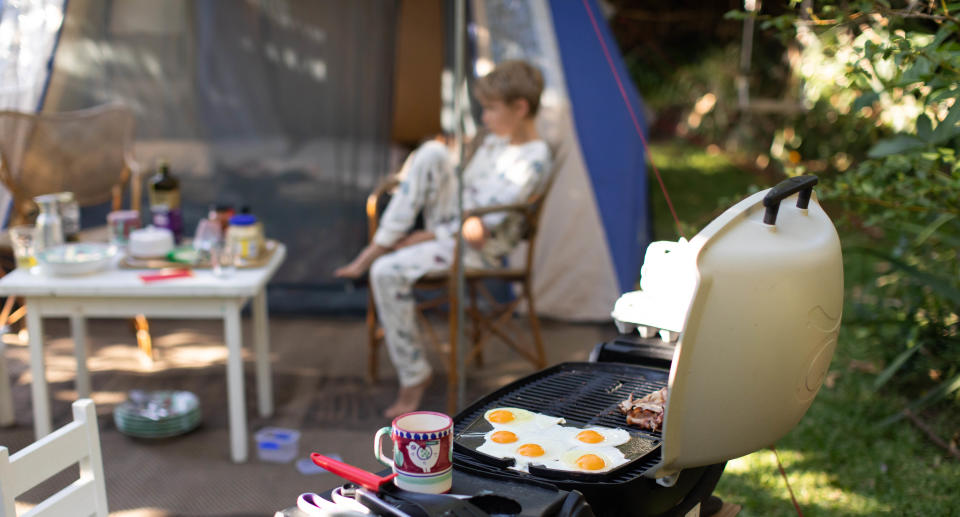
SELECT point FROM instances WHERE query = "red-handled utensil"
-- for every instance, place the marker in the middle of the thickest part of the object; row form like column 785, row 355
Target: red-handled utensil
column 367, row 480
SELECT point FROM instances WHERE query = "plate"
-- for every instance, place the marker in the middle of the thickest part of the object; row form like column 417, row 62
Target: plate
column 76, row 258
column 157, row 414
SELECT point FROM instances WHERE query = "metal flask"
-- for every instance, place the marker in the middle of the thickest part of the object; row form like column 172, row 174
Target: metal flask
column 49, row 228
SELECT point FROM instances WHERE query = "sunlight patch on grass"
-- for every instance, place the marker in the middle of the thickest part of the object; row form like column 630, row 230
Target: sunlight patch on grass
column 677, row 154
column 701, row 185
column 757, row 475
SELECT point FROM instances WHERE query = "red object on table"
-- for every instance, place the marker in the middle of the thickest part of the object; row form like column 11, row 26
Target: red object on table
column 367, row 480
column 166, row 274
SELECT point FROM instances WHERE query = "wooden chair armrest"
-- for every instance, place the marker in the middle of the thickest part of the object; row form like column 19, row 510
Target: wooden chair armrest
column 136, row 180
column 373, row 218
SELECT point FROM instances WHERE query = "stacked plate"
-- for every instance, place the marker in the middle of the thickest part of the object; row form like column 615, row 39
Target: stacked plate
column 157, row 414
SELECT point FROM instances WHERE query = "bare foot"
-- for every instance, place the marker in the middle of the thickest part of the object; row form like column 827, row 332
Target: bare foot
column 361, row 264
column 408, row 399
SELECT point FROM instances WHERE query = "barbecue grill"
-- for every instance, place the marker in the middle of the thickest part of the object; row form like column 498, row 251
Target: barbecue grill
column 761, row 293
column 761, row 290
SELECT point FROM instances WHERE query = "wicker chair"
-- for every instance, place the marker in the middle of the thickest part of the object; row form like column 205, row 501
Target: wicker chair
column 87, row 152
column 497, row 318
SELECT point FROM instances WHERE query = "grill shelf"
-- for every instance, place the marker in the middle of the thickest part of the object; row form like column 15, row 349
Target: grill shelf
column 584, row 394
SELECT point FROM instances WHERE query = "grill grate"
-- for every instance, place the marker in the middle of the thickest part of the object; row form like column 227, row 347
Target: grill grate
column 584, row 394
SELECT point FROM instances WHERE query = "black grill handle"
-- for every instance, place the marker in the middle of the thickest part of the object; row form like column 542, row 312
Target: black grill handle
column 788, row 187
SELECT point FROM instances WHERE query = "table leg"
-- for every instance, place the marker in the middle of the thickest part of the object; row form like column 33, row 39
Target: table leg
column 6, row 396
column 78, row 327
column 38, row 371
column 261, row 346
column 235, row 399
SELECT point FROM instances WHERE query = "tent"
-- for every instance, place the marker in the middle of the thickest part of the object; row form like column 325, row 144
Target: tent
column 297, row 108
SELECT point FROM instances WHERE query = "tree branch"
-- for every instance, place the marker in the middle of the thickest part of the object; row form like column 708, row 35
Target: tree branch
column 952, row 450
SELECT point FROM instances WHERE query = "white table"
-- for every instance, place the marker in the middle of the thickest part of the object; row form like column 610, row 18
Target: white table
column 119, row 293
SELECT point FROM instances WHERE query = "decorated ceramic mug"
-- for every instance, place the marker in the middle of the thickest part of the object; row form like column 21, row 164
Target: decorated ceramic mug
column 422, row 451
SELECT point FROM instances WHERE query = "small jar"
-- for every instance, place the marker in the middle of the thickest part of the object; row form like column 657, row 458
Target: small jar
column 120, row 223
column 243, row 236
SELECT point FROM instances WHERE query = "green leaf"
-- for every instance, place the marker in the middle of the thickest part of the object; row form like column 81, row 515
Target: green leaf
column 942, row 285
column 921, row 70
column 945, row 32
column 897, row 363
column 947, row 129
column 940, row 95
column 867, row 99
column 924, row 127
column 895, row 145
column 943, row 390
column 736, row 15
column 932, row 228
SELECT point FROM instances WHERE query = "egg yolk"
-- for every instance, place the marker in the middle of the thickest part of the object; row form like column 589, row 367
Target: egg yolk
column 503, row 437
column 590, row 462
column 589, row 436
column 501, row 416
column 530, row 449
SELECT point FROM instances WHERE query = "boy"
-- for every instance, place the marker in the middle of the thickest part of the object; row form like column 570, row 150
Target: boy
column 511, row 164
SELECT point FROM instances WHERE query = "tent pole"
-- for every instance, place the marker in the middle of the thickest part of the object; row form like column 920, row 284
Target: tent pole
column 458, row 81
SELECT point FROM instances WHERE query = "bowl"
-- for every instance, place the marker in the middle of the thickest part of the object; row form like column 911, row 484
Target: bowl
column 76, row 258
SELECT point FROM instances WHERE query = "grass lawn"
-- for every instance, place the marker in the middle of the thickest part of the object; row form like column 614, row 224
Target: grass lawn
column 838, row 461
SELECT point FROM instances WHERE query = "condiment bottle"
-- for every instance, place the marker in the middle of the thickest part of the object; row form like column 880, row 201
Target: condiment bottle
column 164, row 194
column 243, row 236
column 164, row 188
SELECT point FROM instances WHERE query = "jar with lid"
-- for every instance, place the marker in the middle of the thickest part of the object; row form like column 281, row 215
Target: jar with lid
column 243, row 236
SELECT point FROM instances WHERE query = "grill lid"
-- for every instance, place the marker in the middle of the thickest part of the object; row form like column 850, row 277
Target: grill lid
column 759, row 330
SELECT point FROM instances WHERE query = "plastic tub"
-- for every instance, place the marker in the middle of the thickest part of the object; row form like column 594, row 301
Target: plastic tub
column 277, row 445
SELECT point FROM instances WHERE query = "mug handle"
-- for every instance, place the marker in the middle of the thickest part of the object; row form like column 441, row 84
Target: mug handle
column 378, row 447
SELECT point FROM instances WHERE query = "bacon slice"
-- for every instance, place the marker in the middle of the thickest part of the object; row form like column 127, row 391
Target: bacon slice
column 646, row 412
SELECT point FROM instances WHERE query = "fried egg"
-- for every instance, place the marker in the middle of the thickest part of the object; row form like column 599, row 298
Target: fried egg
column 591, row 459
column 599, row 437
column 499, row 443
column 538, row 451
column 519, row 419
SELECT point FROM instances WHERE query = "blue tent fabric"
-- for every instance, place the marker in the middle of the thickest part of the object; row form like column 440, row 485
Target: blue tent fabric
column 612, row 150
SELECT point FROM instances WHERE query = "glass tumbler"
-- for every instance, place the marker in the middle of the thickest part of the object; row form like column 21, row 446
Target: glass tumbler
column 24, row 251
column 223, row 257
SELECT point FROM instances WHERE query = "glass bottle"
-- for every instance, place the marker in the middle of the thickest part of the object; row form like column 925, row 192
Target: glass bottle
column 164, row 188
column 49, row 229
column 164, row 191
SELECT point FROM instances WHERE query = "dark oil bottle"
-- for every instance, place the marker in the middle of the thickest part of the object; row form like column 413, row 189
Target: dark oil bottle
column 164, row 188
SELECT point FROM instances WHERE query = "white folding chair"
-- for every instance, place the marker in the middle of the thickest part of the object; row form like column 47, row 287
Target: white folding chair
column 76, row 442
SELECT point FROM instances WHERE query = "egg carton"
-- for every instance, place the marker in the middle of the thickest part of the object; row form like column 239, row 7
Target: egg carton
column 667, row 284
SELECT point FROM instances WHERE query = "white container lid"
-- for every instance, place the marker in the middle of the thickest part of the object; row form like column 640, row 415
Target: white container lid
column 150, row 242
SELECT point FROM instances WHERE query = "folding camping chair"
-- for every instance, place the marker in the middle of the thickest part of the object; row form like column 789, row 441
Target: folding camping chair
column 496, row 321
column 76, row 442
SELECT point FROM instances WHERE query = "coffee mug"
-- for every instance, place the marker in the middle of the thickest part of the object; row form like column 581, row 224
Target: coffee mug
column 422, row 451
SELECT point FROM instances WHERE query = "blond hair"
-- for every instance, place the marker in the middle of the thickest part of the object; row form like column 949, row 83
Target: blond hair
column 510, row 81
